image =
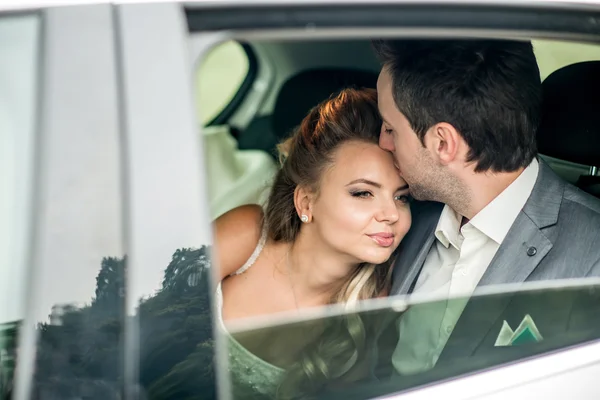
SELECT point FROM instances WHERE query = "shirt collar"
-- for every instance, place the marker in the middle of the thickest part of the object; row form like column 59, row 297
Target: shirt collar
column 495, row 219
column 447, row 229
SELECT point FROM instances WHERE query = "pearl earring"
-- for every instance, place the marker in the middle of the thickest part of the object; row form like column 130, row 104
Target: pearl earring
column 304, row 218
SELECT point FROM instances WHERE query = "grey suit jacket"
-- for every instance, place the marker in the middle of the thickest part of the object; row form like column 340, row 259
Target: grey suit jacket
column 555, row 236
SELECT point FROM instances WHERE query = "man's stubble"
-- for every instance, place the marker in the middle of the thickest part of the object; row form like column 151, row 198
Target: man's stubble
column 430, row 181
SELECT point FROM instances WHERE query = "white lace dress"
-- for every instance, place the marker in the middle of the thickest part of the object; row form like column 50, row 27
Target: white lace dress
column 251, row 376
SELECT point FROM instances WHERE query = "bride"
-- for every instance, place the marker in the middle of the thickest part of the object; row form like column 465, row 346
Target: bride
column 336, row 212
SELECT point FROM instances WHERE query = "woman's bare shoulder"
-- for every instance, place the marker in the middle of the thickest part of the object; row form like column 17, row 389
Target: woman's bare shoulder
column 237, row 233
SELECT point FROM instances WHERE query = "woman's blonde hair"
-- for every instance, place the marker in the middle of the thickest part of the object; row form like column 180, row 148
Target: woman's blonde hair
column 350, row 115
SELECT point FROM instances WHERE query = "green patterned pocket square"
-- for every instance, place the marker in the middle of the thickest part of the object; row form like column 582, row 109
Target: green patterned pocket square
column 526, row 332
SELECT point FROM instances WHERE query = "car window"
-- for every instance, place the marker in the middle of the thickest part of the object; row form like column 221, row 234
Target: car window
column 494, row 329
column 552, row 55
column 169, row 350
column 18, row 87
column 219, row 79
column 529, row 327
column 236, row 176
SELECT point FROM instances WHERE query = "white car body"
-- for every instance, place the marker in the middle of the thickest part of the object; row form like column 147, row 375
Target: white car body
column 123, row 65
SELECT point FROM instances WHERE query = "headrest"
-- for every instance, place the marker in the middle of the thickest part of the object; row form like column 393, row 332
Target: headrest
column 302, row 92
column 570, row 127
column 236, row 177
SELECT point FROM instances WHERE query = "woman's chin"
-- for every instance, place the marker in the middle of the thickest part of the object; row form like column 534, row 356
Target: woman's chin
column 378, row 257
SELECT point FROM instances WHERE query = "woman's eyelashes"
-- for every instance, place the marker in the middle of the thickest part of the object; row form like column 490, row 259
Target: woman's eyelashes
column 364, row 194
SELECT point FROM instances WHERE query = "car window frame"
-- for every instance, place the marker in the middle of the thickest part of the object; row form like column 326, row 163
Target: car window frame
column 552, row 20
column 59, row 116
column 138, row 118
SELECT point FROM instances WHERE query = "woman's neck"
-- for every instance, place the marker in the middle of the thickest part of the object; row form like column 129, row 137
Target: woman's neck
column 316, row 273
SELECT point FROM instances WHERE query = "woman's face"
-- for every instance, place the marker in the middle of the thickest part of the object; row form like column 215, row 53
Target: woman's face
column 362, row 208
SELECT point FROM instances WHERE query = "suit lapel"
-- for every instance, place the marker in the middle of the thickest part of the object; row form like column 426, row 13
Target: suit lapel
column 415, row 247
column 523, row 248
column 512, row 264
column 407, row 276
column 521, row 252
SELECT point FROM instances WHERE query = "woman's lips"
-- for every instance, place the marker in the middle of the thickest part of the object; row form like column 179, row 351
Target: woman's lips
column 383, row 239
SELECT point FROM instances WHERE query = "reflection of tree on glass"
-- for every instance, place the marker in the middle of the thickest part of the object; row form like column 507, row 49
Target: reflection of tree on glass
column 80, row 349
column 8, row 350
column 176, row 331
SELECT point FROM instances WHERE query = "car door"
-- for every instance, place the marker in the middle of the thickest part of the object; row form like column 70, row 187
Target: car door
column 66, row 184
column 107, row 274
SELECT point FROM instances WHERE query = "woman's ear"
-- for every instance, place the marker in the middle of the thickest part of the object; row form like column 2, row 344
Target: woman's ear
column 303, row 201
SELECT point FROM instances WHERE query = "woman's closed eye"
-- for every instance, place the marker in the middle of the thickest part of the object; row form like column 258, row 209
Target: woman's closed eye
column 363, row 194
column 403, row 198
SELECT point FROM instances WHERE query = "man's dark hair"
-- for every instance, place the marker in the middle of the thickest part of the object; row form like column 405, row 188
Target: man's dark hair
column 489, row 90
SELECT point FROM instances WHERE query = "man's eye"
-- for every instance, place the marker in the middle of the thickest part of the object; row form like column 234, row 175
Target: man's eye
column 404, row 198
column 388, row 131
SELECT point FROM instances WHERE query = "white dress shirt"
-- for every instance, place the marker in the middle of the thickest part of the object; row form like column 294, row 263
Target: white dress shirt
column 454, row 266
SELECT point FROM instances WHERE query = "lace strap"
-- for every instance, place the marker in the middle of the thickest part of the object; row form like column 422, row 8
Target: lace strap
column 255, row 254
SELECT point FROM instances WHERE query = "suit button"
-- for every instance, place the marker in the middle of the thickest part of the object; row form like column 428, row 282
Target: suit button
column 532, row 251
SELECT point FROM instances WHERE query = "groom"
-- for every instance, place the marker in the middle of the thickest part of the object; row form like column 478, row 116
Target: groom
column 460, row 118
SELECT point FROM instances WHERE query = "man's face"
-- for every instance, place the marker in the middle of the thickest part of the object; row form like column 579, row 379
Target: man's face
column 413, row 160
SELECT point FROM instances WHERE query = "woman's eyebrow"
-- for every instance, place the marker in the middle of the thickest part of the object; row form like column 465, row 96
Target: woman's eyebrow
column 375, row 184
column 365, row 181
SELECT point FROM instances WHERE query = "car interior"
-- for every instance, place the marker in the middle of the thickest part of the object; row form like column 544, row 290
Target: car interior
column 291, row 77
column 294, row 76
column 569, row 121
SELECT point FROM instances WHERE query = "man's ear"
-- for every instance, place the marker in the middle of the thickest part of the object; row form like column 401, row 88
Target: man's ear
column 303, row 198
column 444, row 142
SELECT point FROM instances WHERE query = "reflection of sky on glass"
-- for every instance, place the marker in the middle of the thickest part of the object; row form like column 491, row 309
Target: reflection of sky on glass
column 80, row 208
column 85, row 218
column 17, row 101
column 74, row 276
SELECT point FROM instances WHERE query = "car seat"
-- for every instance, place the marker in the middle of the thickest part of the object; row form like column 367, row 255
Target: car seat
column 297, row 96
column 570, row 126
column 235, row 177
